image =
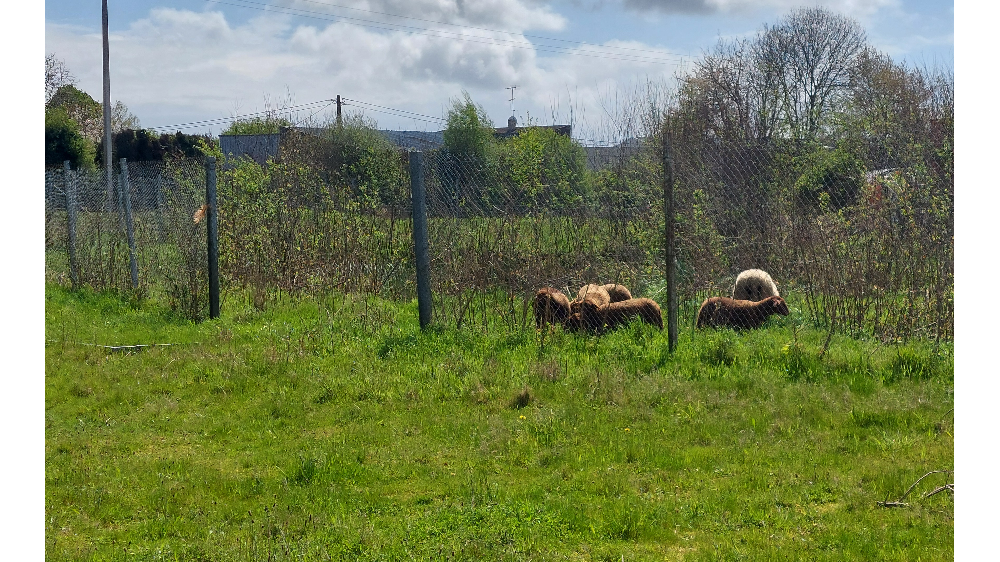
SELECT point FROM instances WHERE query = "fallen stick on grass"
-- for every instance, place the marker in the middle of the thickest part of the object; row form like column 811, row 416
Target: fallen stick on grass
column 900, row 503
column 138, row 347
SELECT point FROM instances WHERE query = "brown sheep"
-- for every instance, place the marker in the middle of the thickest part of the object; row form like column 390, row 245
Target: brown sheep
column 621, row 313
column 724, row 311
column 551, row 306
column 593, row 300
column 615, row 292
column 754, row 285
column 618, row 293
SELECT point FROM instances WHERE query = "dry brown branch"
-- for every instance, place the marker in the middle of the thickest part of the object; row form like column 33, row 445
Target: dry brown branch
column 900, row 503
column 892, row 504
column 949, row 487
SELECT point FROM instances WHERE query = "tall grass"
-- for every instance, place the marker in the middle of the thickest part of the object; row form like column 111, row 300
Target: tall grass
column 329, row 426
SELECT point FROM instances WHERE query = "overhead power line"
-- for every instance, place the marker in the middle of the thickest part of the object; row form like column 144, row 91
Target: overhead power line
column 223, row 120
column 398, row 112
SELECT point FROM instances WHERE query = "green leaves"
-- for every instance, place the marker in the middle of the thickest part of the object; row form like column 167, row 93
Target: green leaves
column 63, row 141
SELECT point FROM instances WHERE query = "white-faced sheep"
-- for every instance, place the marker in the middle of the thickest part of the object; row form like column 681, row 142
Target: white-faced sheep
column 622, row 312
column 618, row 293
column 754, row 285
column 551, row 306
column 720, row 312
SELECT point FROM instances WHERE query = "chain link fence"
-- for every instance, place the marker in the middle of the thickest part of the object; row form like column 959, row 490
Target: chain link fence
column 858, row 250
column 136, row 237
column 863, row 250
column 496, row 238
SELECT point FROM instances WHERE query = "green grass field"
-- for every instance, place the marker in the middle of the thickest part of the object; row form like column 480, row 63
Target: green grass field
column 331, row 428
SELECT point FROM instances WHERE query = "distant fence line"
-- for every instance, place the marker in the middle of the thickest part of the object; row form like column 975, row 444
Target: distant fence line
column 873, row 256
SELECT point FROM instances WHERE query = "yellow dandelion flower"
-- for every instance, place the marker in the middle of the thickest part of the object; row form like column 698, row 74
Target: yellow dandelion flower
column 523, row 418
column 626, row 429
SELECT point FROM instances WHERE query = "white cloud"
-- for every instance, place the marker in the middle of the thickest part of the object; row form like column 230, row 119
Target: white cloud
column 506, row 15
column 178, row 66
column 856, row 8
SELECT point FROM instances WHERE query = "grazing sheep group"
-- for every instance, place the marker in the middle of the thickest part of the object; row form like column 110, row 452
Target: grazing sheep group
column 598, row 308
column 755, row 298
column 595, row 309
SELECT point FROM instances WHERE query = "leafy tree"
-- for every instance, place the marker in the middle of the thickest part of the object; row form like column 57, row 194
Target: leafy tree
column 80, row 107
column 829, row 179
column 267, row 125
column 63, row 141
column 353, row 156
column 546, row 168
column 892, row 108
column 468, row 162
column 469, row 131
column 122, row 118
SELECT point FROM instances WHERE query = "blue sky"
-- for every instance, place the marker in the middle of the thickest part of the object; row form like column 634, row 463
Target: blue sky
column 184, row 61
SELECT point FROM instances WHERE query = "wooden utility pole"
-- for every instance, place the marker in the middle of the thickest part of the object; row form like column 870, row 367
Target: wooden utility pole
column 340, row 123
column 107, row 107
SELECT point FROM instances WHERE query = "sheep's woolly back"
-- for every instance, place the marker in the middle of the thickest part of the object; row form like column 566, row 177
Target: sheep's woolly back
column 754, row 285
column 720, row 312
column 618, row 293
column 591, row 302
column 622, row 312
column 574, row 305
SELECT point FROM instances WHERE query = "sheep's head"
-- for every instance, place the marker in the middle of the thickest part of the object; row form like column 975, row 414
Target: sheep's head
column 591, row 312
column 778, row 305
column 573, row 322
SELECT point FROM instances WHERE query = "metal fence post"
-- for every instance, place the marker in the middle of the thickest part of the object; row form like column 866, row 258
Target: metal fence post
column 126, row 197
column 74, row 267
column 668, row 231
column 420, row 244
column 211, row 199
column 160, row 221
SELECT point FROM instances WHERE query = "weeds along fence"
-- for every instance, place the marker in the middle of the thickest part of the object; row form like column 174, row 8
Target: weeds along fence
column 136, row 237
column 859, row 244
column 496, row 235
column 864, row 240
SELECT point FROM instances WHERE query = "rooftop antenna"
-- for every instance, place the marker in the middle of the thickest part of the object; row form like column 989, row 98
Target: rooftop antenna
column 511, row 88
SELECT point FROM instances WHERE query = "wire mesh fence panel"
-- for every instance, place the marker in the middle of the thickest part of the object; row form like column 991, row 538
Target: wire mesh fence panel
column 498, row 234
column 861, row 241
column 157, row 207
column 867, row 252
column 299, row 223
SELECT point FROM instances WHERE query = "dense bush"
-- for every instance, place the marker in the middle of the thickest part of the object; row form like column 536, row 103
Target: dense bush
column 145, row 145
column 63, row 141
